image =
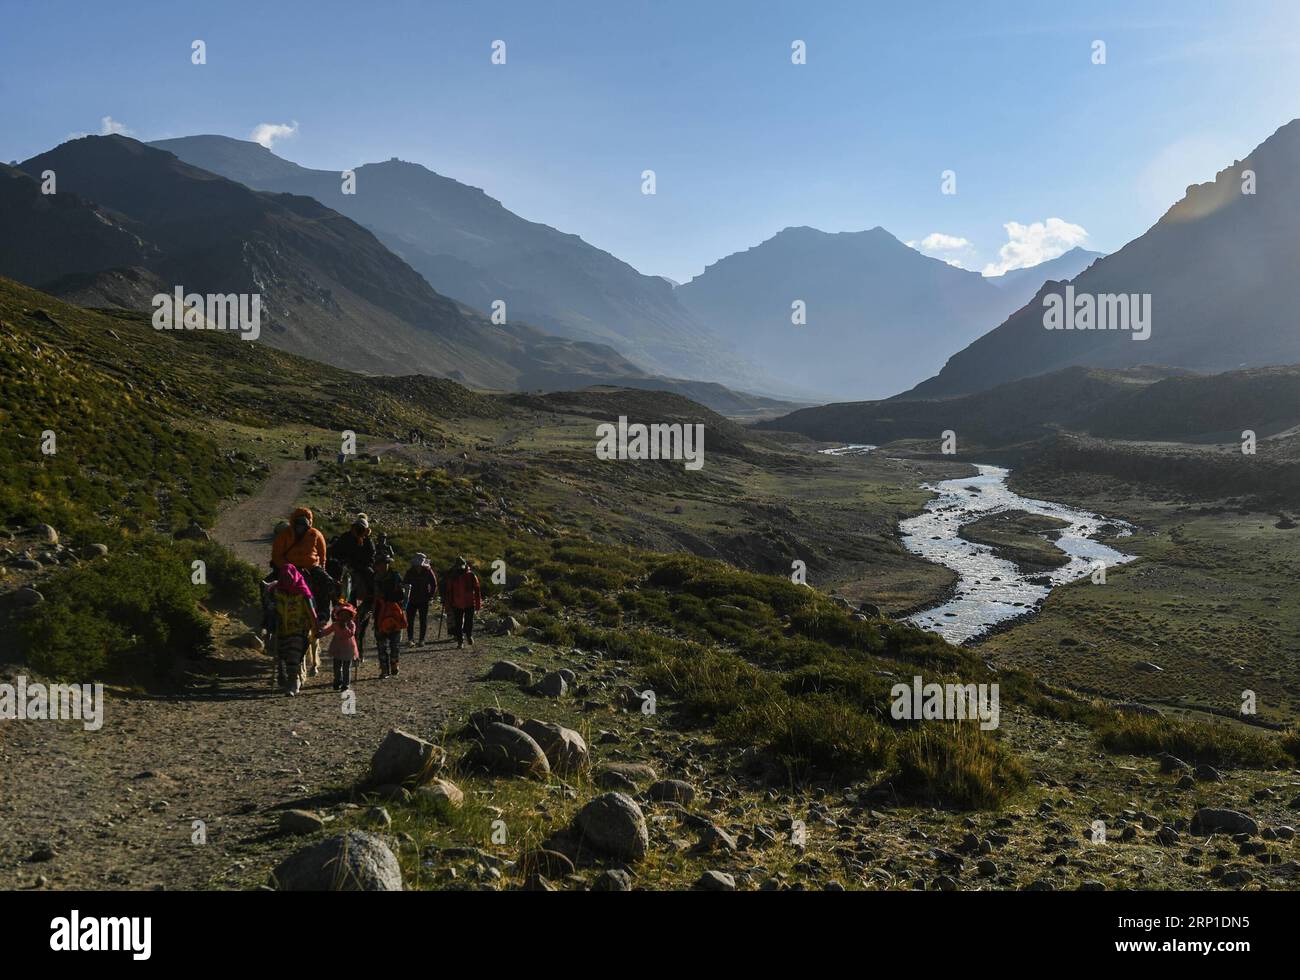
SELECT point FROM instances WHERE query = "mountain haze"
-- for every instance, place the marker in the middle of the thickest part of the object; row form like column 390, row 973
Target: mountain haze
column 329, row 288
column 880, row 315
column 470, row 247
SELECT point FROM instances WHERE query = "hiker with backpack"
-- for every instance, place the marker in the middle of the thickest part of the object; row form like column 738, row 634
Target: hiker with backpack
column 462, row 596
column 422, row 586
column 342, row 631
column 355, row 551
column 295, row 627
column 303, row 546
column 390, row 612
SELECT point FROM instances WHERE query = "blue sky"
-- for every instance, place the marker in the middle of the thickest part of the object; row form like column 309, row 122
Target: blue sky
column 742, row 142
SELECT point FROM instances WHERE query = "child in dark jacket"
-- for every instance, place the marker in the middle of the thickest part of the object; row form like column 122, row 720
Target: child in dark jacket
column 390, row 613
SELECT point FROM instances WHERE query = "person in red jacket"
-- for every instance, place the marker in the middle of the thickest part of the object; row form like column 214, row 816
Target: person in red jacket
column 462, row 595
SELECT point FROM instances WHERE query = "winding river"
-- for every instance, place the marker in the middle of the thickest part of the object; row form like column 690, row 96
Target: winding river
column 991, row 590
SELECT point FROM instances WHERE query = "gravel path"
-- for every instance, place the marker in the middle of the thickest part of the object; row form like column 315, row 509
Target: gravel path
column 116, row 806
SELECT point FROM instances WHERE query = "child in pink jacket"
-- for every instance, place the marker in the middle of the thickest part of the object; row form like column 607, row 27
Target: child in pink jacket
column 342, row 632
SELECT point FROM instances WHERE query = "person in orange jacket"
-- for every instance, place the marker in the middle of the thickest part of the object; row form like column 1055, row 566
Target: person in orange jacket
column 462, row 595
column 299, row 544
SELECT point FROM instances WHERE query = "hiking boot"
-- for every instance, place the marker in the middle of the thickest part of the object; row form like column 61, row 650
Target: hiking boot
column 469, row 640
column 394, row 670
column 459, row 644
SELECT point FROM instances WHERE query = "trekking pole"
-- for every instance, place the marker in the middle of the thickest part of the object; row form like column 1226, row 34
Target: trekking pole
column 441, row 612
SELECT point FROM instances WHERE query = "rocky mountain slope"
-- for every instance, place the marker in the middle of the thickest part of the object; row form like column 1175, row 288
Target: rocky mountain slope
column 1218, row 268
column 470, row 247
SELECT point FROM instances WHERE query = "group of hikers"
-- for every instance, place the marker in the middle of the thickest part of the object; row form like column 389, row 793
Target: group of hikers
column 311, row 451
column 352, row 585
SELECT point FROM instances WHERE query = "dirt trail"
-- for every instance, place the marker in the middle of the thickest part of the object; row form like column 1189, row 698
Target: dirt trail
column 117, row 805
column 246, row 527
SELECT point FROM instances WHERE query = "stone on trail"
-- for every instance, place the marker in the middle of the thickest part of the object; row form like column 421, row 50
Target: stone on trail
column 1209, row 820
column 300, row 822
column 565, row 749
column 402, row 757
column 613, row 824
column 353, row 861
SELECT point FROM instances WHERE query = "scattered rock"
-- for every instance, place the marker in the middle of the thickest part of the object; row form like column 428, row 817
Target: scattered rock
column 402, row 757
column 26, row 597
column 565, row 749
column 300, row 822
column 676, row 790
column 714, row 881
column 353, row 861
column 441, row 792
column 480, row 719
column 614, row 824
column 612, row 880
column 1209, row 820
column 508, row 670
column 552, row 685
column 510, row 751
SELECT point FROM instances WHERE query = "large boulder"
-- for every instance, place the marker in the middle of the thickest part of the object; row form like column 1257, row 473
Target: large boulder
column 353, row 861
column 402, row 757
column 565, row 749
column 1208, row 820
column 613, row 824
column 510, row 751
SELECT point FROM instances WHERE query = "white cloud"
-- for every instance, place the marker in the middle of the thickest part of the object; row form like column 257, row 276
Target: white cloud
column 937, row 241
column 1028, row 245
column 108, row 126
column 268, row 133
column 948, row 248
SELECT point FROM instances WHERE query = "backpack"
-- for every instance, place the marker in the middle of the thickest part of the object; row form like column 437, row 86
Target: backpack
column 392, row 618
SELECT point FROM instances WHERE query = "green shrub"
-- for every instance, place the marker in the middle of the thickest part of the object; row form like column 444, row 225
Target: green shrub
column 129, row 616
column 1215, row 745
column 958, row 763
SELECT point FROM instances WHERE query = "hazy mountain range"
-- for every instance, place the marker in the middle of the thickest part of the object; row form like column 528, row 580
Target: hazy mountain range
column 398, row 277
column 880, row 316
column 469, row 247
